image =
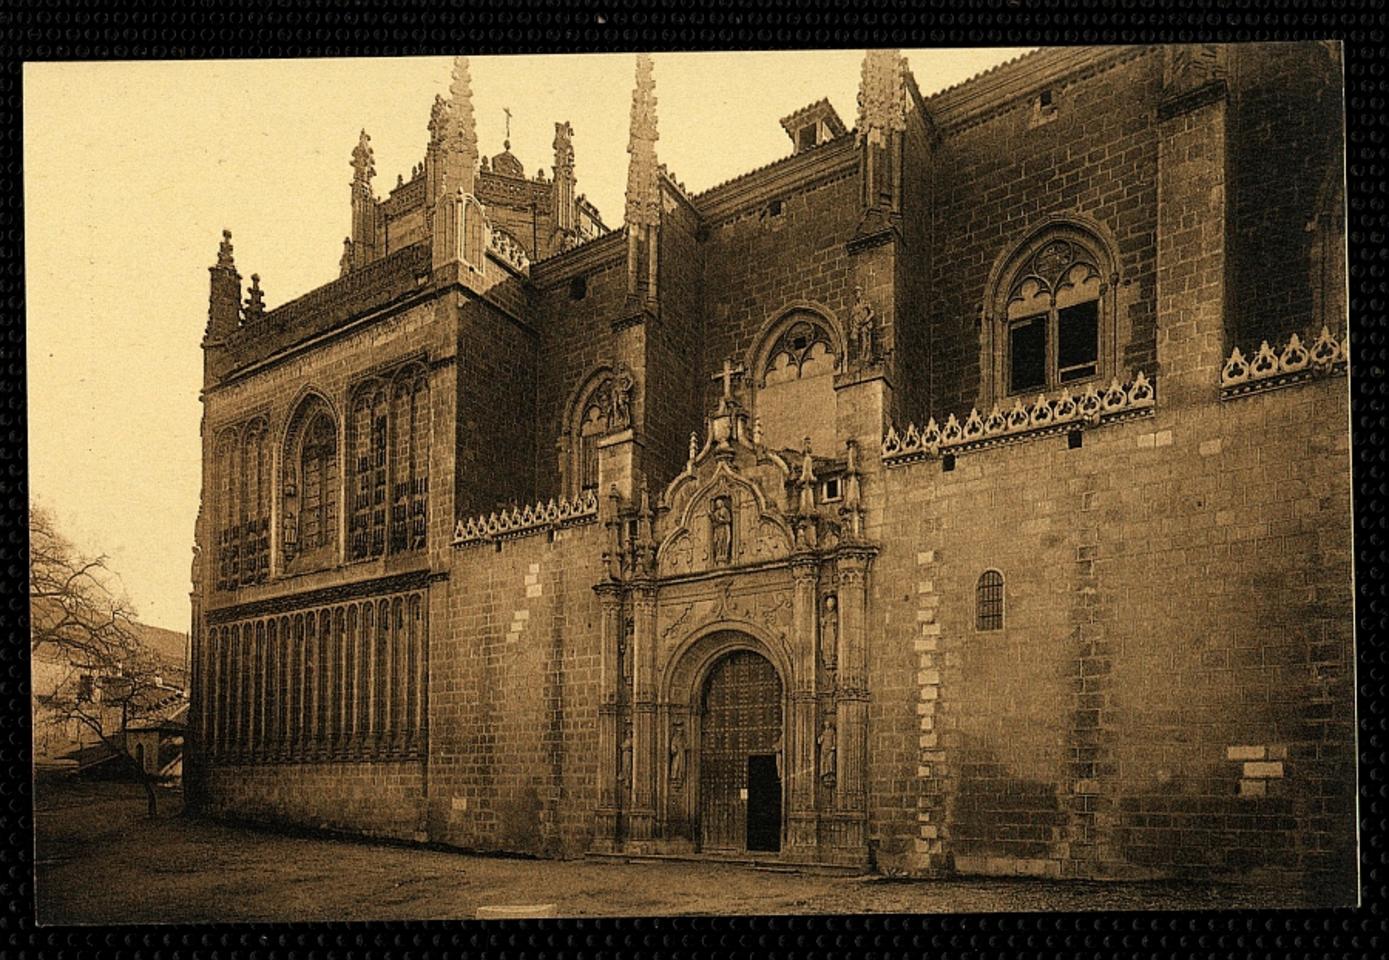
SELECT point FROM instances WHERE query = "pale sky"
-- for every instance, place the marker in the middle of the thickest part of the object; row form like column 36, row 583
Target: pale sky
column 132, row 170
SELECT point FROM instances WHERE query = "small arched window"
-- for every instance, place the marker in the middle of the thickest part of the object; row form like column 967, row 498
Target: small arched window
column 988, row 601
column 590, row 419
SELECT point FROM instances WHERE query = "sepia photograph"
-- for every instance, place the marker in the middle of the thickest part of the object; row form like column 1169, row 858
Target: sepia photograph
column 799, row 482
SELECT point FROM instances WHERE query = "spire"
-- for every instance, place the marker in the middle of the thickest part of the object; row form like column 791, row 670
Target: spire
column 459, row 140
column 367, row 227
column 438, row 120
column 882, row 96
column 563, row 188
column 224, row 300
column 643, row 196
column 255, row 301
column 224, row 253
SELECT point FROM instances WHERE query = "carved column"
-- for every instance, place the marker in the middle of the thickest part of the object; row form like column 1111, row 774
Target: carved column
column 802, row 828
column 642, row 822
column 851, row 702
column 605, row 820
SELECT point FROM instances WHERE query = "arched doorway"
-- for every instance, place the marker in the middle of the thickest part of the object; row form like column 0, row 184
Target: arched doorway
column 740, row 723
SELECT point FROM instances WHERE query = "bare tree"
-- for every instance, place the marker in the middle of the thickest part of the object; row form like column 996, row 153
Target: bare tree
column 109, row 676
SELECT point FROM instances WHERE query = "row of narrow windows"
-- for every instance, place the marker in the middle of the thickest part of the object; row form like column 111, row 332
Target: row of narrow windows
column 349, row 679
column 384, row 479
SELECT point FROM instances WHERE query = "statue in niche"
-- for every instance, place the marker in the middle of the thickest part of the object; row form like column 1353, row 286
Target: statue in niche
column 863, row 329
column 624, row 770
column 624, row 647
column 777, row 752
column 828, row 750
column 677, row 753
column 829, row 631
column 620, row 399
column 721, row 530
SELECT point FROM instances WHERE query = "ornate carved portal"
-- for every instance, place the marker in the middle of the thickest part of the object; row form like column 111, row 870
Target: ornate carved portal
column 734, row 673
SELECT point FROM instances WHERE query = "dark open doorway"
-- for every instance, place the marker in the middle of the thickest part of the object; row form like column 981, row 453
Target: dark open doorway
column 764, row 804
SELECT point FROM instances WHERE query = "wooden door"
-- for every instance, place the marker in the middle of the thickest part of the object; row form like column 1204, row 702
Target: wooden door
column 740, row 718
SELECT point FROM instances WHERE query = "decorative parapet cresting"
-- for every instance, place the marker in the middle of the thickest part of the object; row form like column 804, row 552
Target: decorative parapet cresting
column 524, row 521
column 1043, row 417
column 509, row 250
column 1296, row 362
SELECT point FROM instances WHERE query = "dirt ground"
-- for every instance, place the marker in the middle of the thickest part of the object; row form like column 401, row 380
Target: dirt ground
column 100, row 861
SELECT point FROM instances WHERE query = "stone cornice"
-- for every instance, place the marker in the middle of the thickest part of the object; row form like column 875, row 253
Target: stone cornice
column 337, row 593
column 788, row 175
column 597, row 254
column 982, row 97
column 327, row 336
column 1194, row 99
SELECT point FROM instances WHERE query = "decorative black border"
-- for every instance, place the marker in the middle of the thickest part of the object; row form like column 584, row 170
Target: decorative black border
column 107, row 29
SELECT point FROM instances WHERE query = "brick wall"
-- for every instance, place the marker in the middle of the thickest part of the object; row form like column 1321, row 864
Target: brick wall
column 675, row 389
column 495, row 425
column 998, row 178
column 1177, row 600
column 514, row 692
column 913, row 339
column 372, row 799
column 1285, row 143
column 757, row 264
column 575, row 334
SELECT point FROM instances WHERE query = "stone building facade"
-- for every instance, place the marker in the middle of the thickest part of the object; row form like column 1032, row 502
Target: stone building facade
column 967, row 491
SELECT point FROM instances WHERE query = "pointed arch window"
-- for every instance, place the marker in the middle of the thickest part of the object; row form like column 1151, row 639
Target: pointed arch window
column 590, row 421
column 255, row 502
column 311, row 487
column 367, row 528
column 242, row 477
column 228, row 490
column 409, row 436
column 1053, row 315
column 794, row 382
column 320, row 472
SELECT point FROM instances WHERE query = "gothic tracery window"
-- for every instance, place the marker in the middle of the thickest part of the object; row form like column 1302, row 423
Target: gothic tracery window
column 594, row 425
column 795, row 384
column 318, row 518
column 242, row 471
column 367, row 528
column 409, row 430
column 591, row 421
column 1053, row 319
column 255, row 502
column 228, row 489
column 310, row 486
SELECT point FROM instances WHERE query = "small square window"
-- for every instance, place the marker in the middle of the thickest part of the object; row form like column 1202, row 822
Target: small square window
column 578, row 288
column 807, row 137
column 831, row 490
